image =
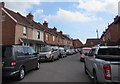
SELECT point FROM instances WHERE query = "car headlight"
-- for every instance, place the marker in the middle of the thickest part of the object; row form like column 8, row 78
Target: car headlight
column 48, row 55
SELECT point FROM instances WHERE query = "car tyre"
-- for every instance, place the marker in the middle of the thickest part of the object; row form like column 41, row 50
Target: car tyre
column 38, row 66
column 21, row 74
column 95, row 78
column 52, row 60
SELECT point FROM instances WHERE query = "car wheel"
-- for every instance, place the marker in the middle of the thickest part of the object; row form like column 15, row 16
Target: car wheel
column 38, row 66
column 52, row 59
column 21, row 73
column 95, row 78
column 85, row 69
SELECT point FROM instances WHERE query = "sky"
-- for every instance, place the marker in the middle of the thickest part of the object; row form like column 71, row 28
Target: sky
column 78, row 18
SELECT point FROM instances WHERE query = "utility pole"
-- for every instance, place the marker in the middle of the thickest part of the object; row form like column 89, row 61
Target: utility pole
column 97, row 34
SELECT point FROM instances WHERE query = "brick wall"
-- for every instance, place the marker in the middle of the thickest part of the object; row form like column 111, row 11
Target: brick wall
column 19, row 33
column 8, row 30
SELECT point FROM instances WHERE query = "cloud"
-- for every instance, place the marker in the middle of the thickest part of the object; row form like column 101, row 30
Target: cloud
column 21, row 7
column 69, row 16
column 39, row 11
column 110, row 6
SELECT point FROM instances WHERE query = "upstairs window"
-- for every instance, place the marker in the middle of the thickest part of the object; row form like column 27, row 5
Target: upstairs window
column 24, row 30
column 3, row 18
column 53, row 38
column 46, row 36
column 38, row 34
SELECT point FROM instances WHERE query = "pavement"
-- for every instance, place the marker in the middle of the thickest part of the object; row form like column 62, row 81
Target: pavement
column 68, row 69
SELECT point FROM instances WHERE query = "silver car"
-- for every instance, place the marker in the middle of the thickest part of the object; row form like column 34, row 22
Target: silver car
column 103, row 64
column 48, row 54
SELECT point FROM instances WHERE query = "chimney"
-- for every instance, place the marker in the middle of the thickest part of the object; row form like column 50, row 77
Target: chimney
column 45, row 24
column 30, row 16
column 60, row 32
column 2, row 4
column 55, row 29
column 116, row 18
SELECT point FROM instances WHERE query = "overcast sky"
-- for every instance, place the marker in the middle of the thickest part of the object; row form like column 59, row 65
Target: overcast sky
column 78, row 18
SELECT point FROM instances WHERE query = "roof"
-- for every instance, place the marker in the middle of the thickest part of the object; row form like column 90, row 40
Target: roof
column 23, row 20
column 32, row 24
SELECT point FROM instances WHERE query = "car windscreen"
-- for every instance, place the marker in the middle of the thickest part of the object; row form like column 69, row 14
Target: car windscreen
column 86, row 51
column 109, row 51
column 46, row 49
column 6, row 52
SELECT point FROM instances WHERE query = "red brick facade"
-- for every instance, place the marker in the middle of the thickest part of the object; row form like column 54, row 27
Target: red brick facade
column 13, row 28
column 111, row 35
column 77, row 43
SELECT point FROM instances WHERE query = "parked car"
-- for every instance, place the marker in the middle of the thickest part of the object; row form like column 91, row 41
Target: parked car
column 83, row 53
column 17, row 60
column 48, row 54
column 103, row 64
column 62, row 52
column 69, row 52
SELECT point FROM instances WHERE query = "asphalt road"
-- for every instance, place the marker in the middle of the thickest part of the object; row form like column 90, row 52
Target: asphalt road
column 68, row 69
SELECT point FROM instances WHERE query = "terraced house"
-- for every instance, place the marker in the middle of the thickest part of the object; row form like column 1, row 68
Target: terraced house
column 23, row 30
column 111, row 36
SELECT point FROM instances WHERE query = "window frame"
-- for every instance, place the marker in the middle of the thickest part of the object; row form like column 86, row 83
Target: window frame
column 38, row 34
column 24, row 30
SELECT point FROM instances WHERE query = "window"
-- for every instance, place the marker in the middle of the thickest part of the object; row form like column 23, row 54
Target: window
column 19, row 51
column 53, row 38
column 92, row 52
column 3, row 18
column 25, row 31
column 47, row 36
column 38, row 34
column 109, row 51
column 6, row 52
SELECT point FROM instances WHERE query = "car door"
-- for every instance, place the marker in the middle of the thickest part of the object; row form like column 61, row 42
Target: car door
column 89, row 60
column 21, row 58
column 34, row 57
column 28, row 61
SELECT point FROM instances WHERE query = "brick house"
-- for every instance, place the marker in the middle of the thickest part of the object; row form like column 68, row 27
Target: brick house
column 54, row 38
column 77, row 43
column 23, row 30
column 111, row 36
column 17, row 29
column 92, row 42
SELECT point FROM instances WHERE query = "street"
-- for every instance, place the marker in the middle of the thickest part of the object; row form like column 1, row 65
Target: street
column 68, row 69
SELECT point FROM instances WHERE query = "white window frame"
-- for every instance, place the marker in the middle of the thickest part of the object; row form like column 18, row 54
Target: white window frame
column 53, row 38
column 25, row 30
column 38, row 34
column 46, row 36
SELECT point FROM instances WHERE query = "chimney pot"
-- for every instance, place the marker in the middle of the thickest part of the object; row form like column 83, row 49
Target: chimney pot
column 116, row 18
column 61, row 32
column 55, row 29
column 2, row 4
column 45, row 24
column 30, row 16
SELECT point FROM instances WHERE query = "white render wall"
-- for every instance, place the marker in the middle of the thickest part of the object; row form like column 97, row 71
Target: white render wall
column 35, row 35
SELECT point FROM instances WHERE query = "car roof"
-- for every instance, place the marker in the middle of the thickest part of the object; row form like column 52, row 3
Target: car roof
column 107, row 47
column 86, row 48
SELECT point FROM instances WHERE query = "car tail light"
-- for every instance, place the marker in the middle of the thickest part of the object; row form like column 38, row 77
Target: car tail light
column 107, row 72
column 82, row 55
column 13, row 63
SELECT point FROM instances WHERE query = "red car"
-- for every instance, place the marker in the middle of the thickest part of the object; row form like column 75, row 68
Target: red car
column 83, row 53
